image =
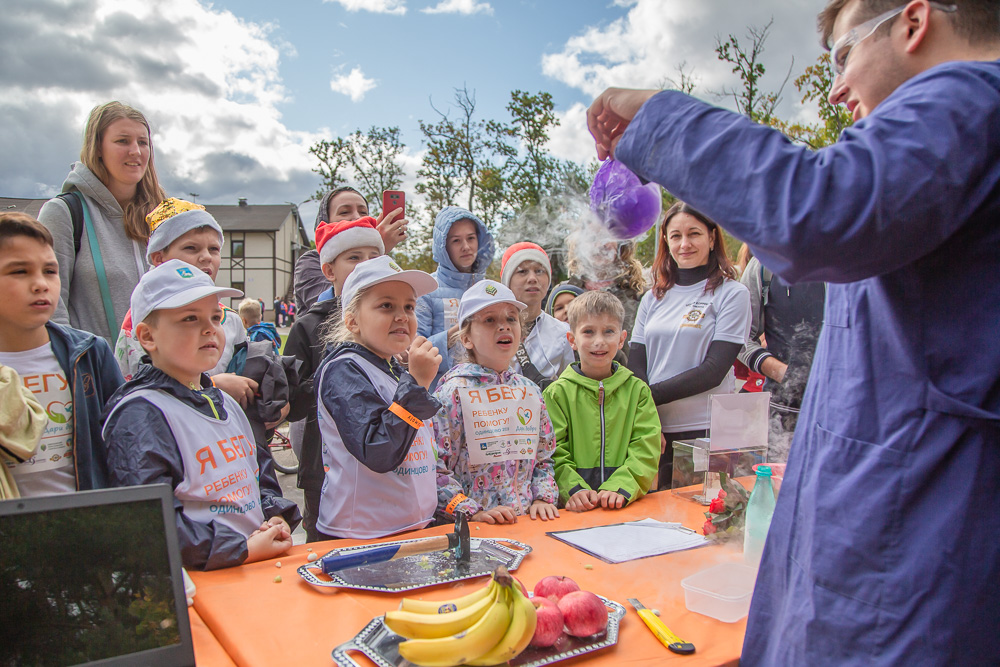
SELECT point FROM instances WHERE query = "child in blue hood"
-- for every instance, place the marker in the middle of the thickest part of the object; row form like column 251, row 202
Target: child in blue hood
column 463, row 249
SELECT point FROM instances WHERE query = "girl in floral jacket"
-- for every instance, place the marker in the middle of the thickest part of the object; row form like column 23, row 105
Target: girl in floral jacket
column 494, row 436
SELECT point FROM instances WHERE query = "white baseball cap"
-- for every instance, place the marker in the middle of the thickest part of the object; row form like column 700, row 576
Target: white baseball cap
column 382, row 270
column 484, row 294
column 171, row 285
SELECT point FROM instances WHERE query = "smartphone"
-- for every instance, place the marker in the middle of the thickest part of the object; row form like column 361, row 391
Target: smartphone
column 393, row 199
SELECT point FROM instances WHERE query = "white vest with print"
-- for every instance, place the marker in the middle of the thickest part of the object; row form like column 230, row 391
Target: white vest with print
column 220, row 462
column 360, row 503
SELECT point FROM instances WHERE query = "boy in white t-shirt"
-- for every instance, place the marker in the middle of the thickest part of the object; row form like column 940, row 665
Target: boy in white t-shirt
column 168, row 424
column 71, row 373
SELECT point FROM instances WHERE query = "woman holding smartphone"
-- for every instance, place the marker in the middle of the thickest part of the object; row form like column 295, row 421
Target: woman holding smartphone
column 343, row 203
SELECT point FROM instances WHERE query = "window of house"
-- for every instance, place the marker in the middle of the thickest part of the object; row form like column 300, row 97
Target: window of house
column 239, row 286
column 236, row 250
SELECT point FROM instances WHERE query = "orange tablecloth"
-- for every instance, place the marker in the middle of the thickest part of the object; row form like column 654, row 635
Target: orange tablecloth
column 208, row 652
column 260, row 622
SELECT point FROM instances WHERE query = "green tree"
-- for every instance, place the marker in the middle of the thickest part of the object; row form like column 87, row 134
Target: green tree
column 751, row 99
column 529, row 171
column 457, row 152
column 685, row 81
column 368, row 161
column 815, row 84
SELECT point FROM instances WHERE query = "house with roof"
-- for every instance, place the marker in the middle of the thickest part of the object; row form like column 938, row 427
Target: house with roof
column 262, row 243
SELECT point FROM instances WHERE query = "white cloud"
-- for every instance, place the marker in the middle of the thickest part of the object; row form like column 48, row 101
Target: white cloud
column 207, row 80
column 460, row 7
column 570, row 140
column 376, row 6
column 643, row 48
column 354, row 85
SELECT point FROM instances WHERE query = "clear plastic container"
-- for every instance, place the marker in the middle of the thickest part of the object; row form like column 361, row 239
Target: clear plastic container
column 722, row 592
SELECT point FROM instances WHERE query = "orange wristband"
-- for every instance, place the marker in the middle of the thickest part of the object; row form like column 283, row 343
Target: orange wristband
column 405, row 415
column 459, row 497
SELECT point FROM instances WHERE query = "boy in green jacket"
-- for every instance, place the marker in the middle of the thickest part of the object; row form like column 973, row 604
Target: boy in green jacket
column 606, row 426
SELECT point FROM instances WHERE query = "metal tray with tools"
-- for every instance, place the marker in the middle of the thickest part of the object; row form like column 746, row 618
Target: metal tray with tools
column 418, row 571
column 380, row 644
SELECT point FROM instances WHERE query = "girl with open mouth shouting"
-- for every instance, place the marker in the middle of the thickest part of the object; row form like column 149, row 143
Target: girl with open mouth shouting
column 494, row 436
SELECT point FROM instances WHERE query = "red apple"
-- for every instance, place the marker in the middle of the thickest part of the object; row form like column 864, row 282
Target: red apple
column 584, row 613
column 549, row 627
column 554, row 588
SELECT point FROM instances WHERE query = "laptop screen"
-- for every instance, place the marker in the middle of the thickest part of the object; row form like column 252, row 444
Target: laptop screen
column 92, row 577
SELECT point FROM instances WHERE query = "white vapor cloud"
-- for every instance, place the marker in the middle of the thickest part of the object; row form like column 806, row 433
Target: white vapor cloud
column 354, row 85
column 375, row 6
column 459, row 7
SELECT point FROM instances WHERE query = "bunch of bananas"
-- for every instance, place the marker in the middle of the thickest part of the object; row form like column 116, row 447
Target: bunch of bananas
column 488, row 627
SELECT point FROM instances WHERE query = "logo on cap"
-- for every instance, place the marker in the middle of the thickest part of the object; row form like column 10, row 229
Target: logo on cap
column 185, row 272
column 491, row 290
column 394, row 267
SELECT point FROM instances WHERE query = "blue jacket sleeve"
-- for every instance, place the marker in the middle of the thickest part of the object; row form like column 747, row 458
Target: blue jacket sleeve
column 376, row 437
column 141, row 450
column 440, row 341
column 425, row 317
column 877, row 200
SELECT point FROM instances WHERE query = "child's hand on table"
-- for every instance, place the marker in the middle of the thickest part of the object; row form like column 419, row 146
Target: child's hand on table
column 499, row 514
column 268, row 543
column 611, row 500
column 424, row 361
column 543, row 510
column 582, row 501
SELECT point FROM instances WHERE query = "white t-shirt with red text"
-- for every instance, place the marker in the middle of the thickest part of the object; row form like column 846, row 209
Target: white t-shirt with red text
column 51, row 469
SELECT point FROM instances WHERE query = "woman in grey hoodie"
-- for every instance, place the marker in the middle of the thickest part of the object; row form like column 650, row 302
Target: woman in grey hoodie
column 118, row 183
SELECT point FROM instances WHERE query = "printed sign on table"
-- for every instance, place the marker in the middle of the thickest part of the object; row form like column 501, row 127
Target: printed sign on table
column 501, row 423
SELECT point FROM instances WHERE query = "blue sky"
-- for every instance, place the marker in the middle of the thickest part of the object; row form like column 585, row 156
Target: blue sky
column 238, row 90
column 417, row 57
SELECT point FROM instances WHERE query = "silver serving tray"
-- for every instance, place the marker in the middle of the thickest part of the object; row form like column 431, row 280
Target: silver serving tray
column 380, row 644
column 419, row 571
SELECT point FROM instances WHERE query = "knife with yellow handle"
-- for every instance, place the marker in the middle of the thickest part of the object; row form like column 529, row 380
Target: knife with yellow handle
column 661, row 631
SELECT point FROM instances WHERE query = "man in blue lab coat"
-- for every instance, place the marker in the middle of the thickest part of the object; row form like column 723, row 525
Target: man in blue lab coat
column 885, row 543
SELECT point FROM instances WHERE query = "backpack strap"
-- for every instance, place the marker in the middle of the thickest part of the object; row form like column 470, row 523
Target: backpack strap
column 75, row 206
column 528, row 369
column 95, row 253
column 765, row 284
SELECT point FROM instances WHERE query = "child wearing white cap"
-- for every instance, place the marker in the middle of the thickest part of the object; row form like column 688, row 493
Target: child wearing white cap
column 494, row 437
column 169, row 425
column 342, row 244
column 182, row 230
column 378, row 449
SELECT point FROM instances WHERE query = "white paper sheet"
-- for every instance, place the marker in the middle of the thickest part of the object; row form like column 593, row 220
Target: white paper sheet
column 623, row 542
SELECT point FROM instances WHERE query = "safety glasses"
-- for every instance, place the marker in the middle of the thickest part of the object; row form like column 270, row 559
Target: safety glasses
column 859, row 33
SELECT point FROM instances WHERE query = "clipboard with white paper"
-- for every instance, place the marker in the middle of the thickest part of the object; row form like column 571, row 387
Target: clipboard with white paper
column 622, row 542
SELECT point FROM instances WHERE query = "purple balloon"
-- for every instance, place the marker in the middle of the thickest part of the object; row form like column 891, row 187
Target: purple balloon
column 626, row 207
